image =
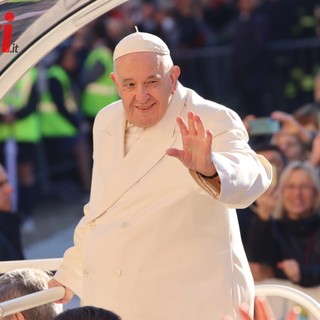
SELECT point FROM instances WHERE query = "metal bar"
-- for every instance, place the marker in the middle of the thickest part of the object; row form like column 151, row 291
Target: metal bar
column 289, row 293
column 43, row 264
column 31, row 301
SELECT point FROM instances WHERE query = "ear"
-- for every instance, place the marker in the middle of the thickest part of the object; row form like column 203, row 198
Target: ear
column 113, row 77
column 175, row 73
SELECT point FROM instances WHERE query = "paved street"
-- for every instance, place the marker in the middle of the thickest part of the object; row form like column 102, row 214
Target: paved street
column 55, row 219
column 57, row 213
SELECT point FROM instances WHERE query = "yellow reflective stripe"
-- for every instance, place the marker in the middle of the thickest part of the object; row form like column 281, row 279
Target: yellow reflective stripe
column 18, row 96
column 47, row 106
column 70, row 103
column 26, row 86
column 101, row 89
column 3, row 108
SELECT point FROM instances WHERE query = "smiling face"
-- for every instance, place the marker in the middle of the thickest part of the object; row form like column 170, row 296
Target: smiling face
column 299, row 195
column 145, row 82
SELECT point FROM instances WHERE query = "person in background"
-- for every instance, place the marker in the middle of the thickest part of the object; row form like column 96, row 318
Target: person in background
column 299, row 136
column 285, row 243
column 308, row 115
column 87, row 313
column 97, row 89
column 160, row 237
column 248, row 68
column 10, row 238
column 295, row 137
column 61, row 120
column 278, row 161
column 19, row 124
column 21, row 282
column 291, row 145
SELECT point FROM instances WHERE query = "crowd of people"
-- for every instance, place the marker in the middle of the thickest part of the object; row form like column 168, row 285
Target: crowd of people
column 281, row 229
column 62, row 90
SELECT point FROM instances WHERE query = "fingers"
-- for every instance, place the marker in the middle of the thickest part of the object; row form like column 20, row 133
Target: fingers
column 191, row 124
column 67, row 297
column 195, row 125
column 68, row 293
column 294, row 314
column 262, row 309
column 182, row 126
column 173, row 152
column 244, row 312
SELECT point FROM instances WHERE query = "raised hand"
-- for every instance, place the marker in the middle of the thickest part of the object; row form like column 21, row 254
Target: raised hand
column 196, row 152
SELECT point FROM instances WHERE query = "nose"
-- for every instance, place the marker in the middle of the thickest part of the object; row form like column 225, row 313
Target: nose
column 142, row 94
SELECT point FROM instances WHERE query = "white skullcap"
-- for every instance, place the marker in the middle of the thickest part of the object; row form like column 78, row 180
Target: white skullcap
column 140, row 42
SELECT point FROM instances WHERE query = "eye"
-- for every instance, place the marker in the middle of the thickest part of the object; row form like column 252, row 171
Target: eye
column 152, row 82
column 128, row 85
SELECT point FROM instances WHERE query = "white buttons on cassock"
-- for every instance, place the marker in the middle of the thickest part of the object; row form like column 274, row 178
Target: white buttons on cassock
column 118, row 272
column 124, row 224
column 85, row 273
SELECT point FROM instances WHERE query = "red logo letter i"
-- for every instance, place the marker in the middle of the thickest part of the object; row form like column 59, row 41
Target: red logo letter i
column 7, row 32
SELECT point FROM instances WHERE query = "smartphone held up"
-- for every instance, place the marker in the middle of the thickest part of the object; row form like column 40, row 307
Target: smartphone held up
column 263, row 126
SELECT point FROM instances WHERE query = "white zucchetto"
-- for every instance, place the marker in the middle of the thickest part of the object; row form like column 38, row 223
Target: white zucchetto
column 140, row 42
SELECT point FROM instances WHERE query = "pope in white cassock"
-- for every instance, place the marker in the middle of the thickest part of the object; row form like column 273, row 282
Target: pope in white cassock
column 159, row 239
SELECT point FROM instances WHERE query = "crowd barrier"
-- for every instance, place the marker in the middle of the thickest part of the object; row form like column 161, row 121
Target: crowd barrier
column 282, row 295
column 31, row 301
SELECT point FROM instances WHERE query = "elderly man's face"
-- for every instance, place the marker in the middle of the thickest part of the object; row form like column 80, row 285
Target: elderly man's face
column 145, row 84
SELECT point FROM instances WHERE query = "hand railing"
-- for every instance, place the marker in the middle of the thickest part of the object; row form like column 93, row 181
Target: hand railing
column 31, row 301
column 292, row 294
column 43, row 264
column 53, row 294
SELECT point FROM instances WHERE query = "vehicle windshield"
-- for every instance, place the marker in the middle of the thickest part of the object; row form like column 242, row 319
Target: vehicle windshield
column 23, row 22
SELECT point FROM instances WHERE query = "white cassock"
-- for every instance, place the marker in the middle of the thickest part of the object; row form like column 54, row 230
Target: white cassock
column 156, row 242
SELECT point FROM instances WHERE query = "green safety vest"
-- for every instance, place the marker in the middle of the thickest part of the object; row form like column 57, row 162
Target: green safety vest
column 28, row 128
column 53, row 124
column 100, row 93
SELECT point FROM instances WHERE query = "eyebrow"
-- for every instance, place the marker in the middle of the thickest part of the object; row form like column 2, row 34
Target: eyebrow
column 154, row 76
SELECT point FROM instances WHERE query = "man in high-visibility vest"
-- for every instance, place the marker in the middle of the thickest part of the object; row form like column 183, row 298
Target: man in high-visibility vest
column 60, row 117
column 98, row 90
column 19, row 123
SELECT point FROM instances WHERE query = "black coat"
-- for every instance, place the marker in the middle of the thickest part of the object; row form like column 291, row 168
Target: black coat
column 10, row 238
column 272, row 241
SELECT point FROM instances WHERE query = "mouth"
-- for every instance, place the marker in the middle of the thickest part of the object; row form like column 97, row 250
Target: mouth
column 144, row 108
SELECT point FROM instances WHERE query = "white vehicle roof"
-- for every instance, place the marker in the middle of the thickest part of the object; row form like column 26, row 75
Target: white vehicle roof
column 38, row 27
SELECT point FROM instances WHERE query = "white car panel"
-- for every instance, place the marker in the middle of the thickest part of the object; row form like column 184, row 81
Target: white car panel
column 81, row 13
